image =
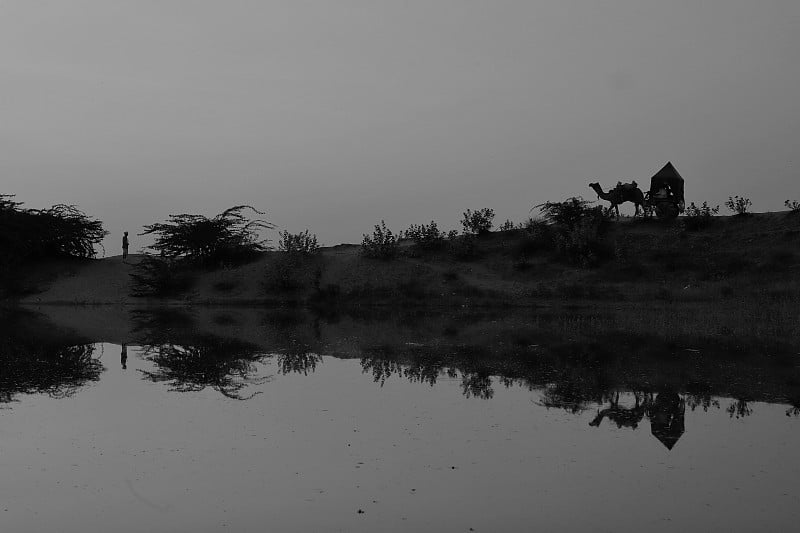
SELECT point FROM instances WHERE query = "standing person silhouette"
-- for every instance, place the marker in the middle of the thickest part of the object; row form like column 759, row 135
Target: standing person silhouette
column 125, row 247
column 123, row 358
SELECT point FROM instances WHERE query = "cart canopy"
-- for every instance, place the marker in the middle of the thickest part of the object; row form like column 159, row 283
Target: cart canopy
column 669, row 177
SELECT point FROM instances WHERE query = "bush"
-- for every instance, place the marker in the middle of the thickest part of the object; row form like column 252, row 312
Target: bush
column 158, row 276
column 426, row 237
column 33, row 234
column 570, row 212
column 794, row 205
column 301, row 243
column 228, row 238
column 59, row 231
column 507, row 226
column 478, row 222
column 381, row 245
column 581, row 245
column 738, row 205
column 289, row 272
column 462, row 247
column 283, row 274
column 699, row 217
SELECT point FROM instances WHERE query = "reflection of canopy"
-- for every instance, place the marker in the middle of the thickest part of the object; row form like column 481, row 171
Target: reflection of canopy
column 667, row 418
column 668, row 176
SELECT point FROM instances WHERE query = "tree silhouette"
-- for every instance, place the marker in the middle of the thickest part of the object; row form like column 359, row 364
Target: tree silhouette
column 228, row 237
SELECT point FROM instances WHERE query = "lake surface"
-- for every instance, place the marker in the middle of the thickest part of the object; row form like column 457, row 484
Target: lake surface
column 287, row 421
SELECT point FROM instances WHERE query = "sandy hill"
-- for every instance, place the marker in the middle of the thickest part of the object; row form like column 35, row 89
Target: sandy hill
column 757, row 255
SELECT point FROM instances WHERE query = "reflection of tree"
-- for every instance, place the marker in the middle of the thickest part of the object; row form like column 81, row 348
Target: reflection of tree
column 298, row 359
column 739, row 408
column 421, row 369
column 424, row 367
column 698, row 394
column 477, row 384
column 58, row 371
column 226, row 365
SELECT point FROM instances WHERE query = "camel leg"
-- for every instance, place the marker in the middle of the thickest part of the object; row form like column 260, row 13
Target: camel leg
column 616, row 207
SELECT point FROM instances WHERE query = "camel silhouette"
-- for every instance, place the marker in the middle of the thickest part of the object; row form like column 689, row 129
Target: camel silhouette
column 629, row 192
column 622, row 416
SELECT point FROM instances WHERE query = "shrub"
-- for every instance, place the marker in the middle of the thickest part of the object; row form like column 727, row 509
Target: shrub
column 30, row 234
column 426, row 237
column 570, row 212
column 158, row 276
column 699, row 217
column 738, row 205
column 228, row 238
column 462, row 247
column 507, row 226
column 381, row 245
column 61, row 230
column 301, row 243
column 794, row 205
column 581, row 245
column 539, row 238
column 289, row 272
column 283, row 274
column 478, row 222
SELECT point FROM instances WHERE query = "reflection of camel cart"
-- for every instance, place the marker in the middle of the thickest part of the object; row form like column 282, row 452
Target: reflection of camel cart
column 665, row 197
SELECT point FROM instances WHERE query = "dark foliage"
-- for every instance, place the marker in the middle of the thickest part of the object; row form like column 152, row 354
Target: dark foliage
column 159, row 276
column 59, row 231
column 697, row 218
column 478, row 221
column 225, row 365
column 32, row 363
column 738, row 204
column 462, row 247
column 382, row 244
column 577, row 233
column 34, row 234
column 570, row 212
column 426, row 237
column 228, row 238
column 298, row 243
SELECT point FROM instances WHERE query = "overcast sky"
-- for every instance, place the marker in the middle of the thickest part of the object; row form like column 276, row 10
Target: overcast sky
column 334, row 114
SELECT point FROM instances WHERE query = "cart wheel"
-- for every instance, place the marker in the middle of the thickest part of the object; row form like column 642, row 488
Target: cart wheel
column 666, row 210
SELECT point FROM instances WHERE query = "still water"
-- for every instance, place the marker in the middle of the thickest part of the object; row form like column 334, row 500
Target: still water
column 394, row 425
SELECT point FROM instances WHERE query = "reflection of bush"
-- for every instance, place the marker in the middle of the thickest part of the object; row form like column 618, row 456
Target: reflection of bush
column 58, row 371
column 298, row 360
column 226, row 365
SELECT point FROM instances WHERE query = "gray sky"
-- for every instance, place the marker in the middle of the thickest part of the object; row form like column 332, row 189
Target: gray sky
column 334, row 114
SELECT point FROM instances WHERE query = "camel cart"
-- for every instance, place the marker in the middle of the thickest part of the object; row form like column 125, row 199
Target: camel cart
column 665, row 197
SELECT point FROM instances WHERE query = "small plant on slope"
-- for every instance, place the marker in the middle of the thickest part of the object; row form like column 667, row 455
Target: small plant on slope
column 302, row 243
column 699, row 217
column 382, row 244
column 739, row 205
column 426, row 237
column 478, row 222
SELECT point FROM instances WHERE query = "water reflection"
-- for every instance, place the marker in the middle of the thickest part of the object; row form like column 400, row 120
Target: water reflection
column 573, row 360
column 35, row 361
column 225, row 365
column 400, row 417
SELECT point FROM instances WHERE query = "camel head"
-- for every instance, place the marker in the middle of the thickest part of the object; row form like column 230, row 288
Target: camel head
column 596, row 188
